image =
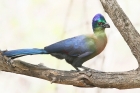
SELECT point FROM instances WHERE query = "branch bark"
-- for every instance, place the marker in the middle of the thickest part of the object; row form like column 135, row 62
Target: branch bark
column 124, row 26
column 91, row 77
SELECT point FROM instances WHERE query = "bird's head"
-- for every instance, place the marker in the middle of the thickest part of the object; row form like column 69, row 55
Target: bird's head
column 99, row 22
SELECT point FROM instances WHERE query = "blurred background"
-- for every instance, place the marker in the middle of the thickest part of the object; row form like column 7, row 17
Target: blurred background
column 38, row 23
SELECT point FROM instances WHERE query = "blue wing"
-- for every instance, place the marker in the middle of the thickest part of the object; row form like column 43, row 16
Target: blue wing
column 75, row 46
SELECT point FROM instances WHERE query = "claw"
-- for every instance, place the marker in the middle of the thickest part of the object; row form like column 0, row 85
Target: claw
column 85, row 68
column 77, row 69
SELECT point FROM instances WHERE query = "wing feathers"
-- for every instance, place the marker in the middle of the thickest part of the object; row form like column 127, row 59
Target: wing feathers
column 76, row 46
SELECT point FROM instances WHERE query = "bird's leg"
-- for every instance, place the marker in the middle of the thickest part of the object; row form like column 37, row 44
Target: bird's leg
column 77, row 63
column 85, row 68
column 76, row 69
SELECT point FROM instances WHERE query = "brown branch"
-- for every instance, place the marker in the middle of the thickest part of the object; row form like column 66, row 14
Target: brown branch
column 124, row 25
column 55, row 76
column 90, row 78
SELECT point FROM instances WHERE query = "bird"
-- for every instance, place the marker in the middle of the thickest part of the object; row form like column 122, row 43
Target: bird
column 75, row 50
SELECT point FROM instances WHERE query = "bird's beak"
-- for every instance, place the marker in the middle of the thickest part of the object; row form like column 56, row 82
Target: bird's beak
column 106, row 25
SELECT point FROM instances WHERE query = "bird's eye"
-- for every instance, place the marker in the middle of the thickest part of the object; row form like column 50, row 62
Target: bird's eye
column 100, row 23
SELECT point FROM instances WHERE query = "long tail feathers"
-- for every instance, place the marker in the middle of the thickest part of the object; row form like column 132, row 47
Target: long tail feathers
column 23, row 52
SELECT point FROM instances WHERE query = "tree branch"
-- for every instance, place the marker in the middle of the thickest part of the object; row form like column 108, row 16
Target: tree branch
column 124, row 25
column 90, row 78
column 55, row 76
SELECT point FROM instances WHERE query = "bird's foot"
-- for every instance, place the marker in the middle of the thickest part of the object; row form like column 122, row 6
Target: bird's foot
column 77, row 69
column 74, row 70
column 86, row 68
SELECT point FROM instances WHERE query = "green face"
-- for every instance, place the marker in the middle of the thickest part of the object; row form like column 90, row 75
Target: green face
column 99, row 22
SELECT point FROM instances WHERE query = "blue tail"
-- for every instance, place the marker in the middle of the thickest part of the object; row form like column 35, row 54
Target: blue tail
column 23, row 52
